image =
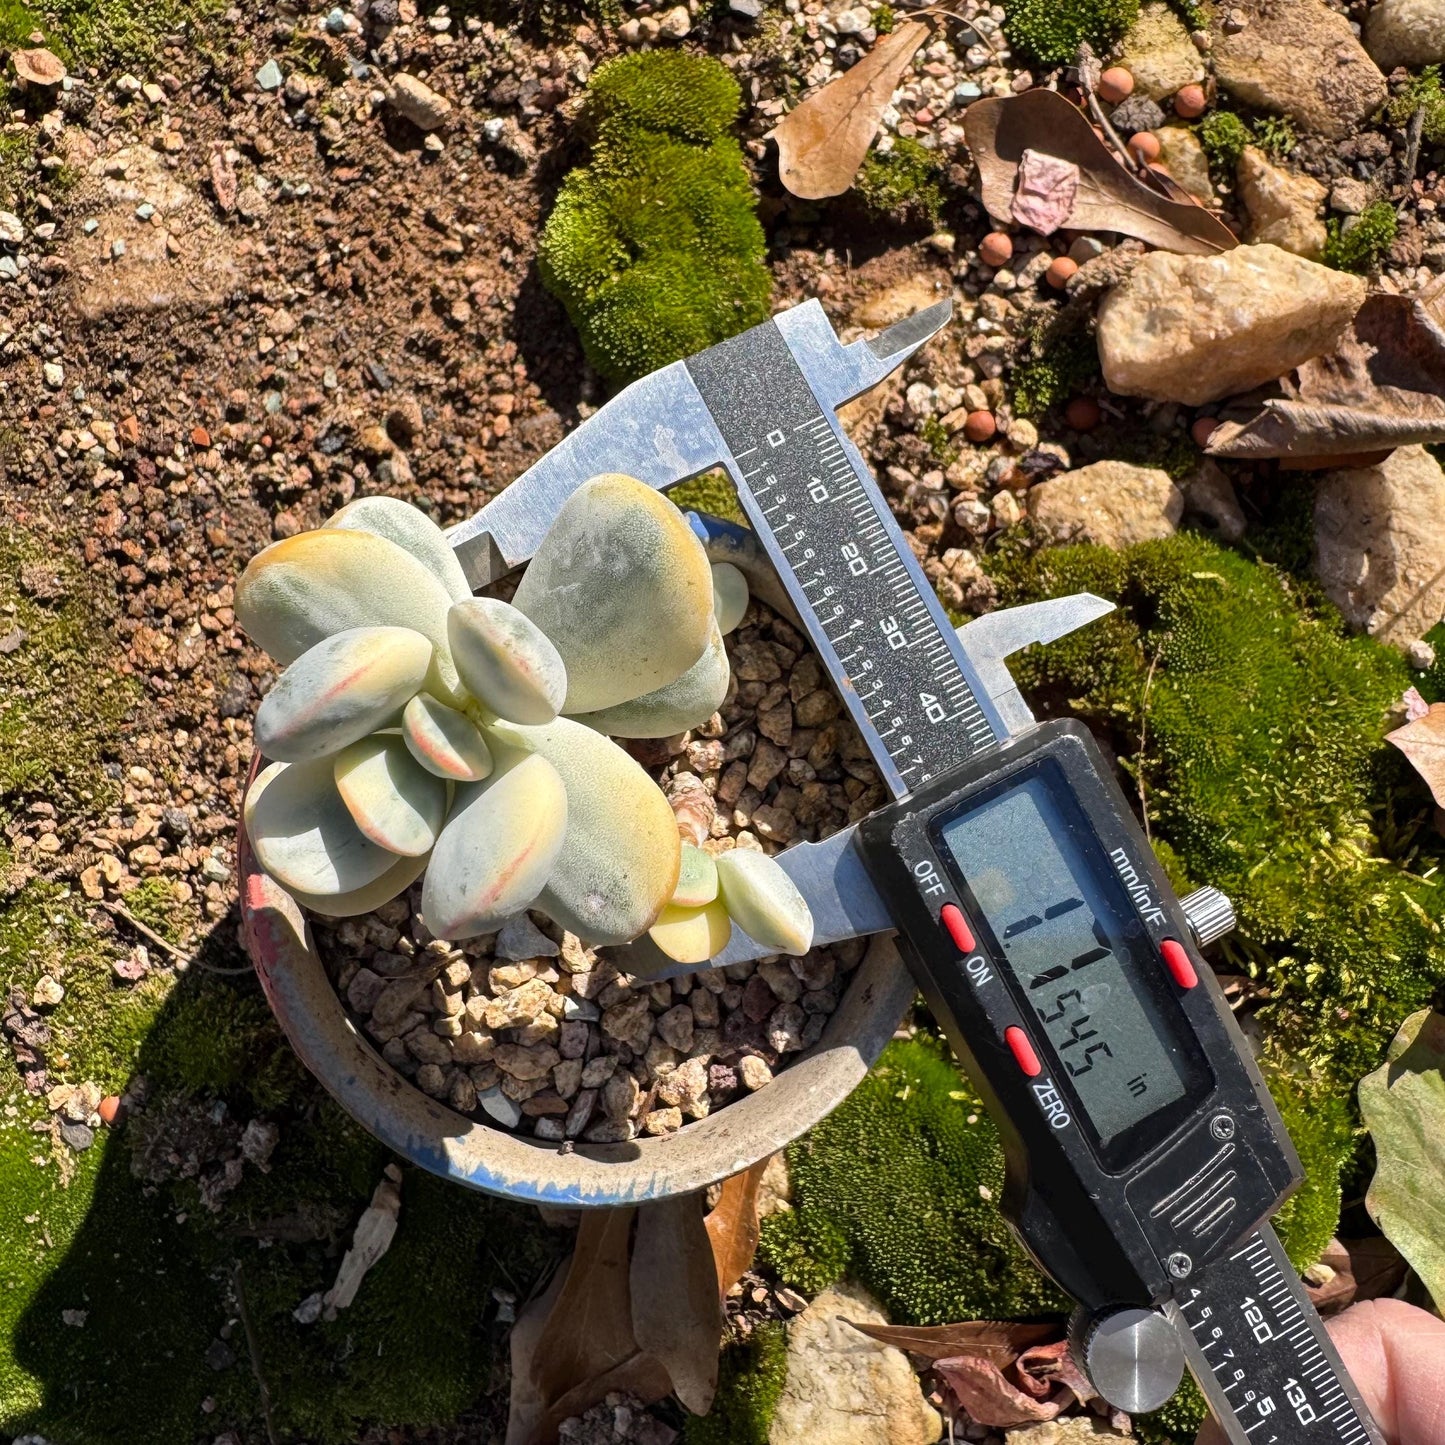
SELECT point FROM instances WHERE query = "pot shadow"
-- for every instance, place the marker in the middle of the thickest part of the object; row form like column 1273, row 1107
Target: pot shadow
column 177, row 1290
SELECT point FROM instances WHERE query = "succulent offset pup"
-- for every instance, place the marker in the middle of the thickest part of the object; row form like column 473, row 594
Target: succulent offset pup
column 420, row 730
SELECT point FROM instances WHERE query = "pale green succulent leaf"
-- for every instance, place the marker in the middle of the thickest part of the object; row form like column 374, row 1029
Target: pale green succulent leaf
column 623, row 588
column 696, row 878
column 619, row 862
column 1403, row 1104
column 497, row 850
column 303, row 835
column 687, row 702
column 413, row 531
column 692, row 935
column 337, row 692
column 729, row 595
column 506, row 661
column 445, row 741
column 764, row 902
column 299, row 591
column 395, row 801
column 370, row 896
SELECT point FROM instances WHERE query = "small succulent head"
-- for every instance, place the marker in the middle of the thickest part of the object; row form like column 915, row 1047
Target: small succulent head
column 420, row 732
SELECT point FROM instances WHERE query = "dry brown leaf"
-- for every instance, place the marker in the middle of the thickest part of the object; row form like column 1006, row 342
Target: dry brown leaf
column 1423, row 742
column 1360, row 1269
column 676, row 1313
column 1001, row 1341
column 1000, row 129
column 1383, row 387
column 374, row 1232
column 733, row 1226
column 822, row 142
column 584, row 1347
column 1041, row 1367
column 992, row 1399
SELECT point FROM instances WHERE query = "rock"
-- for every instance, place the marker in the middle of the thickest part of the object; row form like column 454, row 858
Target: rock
column 1197, row 328
column 1406, row 32
column 38, row 69
column 1299, row 59
column 1181, row 154
column 1112, row 503
column 1283, row 206
column 675, row 24
column 845, row 1389
column 12, row 229
column 1159, row 54
column 269, row 76
column 1210, row 494
column 418, row 103
column 1379, row 543
column 1066, row 1430
column 1349, row 195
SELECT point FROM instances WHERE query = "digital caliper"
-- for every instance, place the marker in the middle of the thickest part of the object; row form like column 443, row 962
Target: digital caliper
column 1144, row 1154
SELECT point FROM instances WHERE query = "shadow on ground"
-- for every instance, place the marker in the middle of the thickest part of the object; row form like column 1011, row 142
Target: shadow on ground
column 159, row 1315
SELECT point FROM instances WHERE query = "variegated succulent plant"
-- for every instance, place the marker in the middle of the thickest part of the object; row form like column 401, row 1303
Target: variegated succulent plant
column 418, row 729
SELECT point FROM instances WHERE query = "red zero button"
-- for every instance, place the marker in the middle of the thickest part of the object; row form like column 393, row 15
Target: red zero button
column 1178, row 964
column 1022, row 1050
column 957, row 926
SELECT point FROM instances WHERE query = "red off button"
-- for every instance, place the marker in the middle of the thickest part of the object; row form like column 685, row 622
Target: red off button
column 956, row 925
column 1178, row 964
column 1022, row 1050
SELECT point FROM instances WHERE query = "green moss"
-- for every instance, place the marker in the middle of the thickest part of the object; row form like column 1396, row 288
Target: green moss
column 751, row 1375
column 1052, row 30
column 884, row 18
column 654, row 247
column 903, row 182
column 1364, row 245
column 898, row 1188
column 1224, row 137
column 1421, row 92
column 1318, row 1121
column 940, row 444
column 1275, row 136
column 713, row 492
column 17, row 21
column 1053, row 369
column 1268, row 774
column 1178, row 1422
column 1431, row 682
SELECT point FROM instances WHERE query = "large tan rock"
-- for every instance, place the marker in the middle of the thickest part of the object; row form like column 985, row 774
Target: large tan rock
column 1159, row 54
column 1181, row 154
column 1298, row 58
column 1112, row 503
column 1406, row 32
column 1066, row 1430
column 1283, row 206
column 1198, row 328
column 843, row 1388
column 1380, row 544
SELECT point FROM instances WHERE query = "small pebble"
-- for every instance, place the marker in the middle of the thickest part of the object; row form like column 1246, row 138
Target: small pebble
column 109, row 1109
column 1115, row 84
column 1060, row 269
column 1083, row 413
column 1144, row 146
column 996, row 248
column 1204, row 427
column 1189, row 101
column 979, row 426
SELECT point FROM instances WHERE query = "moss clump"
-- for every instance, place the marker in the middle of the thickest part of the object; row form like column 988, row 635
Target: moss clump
column 898, row 1188
column 1275, row 136
column 903, row 182
column 884, row 18
column 1178, row 1422
column 1052, row 371
column 1052, row 30
column 1224, row 137
column 1268, row 774
column 1421, row 92
column 654, row 247
column 1318, row 1121
column 713, row 493
column 751, row 1376
column 1364, row 245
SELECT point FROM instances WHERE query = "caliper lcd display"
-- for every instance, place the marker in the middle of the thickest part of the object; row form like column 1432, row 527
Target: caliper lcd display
column 1076, row 949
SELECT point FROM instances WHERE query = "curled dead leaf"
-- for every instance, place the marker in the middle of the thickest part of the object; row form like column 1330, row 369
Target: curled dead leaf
column 1354, row 1269
column 733, row 1227
column 822, row 142
column 1382, row 387
column 991, row 1398
column 1423, row 743
column 1001, row 129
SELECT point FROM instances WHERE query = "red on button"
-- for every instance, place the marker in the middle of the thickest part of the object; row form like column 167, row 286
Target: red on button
column 957, row 926
column 1022, row 1050
column 1178, row 964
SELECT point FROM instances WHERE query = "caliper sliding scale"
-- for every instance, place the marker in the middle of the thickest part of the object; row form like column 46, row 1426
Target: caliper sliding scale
column 1144, row 1154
